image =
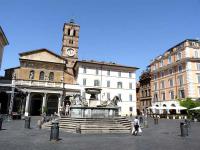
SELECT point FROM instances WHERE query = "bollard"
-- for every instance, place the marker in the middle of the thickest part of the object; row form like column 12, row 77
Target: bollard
column 78, row 128
column 54, row 135
column 1, row 122
column 27, row 122
column 184, row 129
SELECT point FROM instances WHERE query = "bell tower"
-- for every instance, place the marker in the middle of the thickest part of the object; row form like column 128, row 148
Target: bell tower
column 70, row 42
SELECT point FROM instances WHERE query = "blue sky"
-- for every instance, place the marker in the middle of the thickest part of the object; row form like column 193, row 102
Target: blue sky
column 129, row 32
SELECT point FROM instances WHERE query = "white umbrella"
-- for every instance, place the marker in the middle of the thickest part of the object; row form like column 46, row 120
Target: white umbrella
column 196, row 108
column 177, row 108
column 153, row 107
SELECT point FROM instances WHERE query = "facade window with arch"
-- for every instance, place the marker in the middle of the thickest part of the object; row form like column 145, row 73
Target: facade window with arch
column 161, row 63
column 171, row 84
column 119, row 85
column 181, row 94
column 178, row 56
column 130, row 75
column 120, row 96
column 196, row 54
column 130, row 86
column 41, row 77
column 108, row 96
column 130, row 98
column 96, row 83
column 68, row 31
column 155, row 97
column 51, row 76
column 170, row 71
column 180, row 80
column 163, row 96
column 31, row 75
column 70, row 41
column 74, row 34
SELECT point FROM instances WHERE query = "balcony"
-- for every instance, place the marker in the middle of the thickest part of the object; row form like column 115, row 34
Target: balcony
column 39, row 83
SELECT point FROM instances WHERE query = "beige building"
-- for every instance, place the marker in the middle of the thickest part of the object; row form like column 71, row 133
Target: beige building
column 3, row 43
column 176, row 74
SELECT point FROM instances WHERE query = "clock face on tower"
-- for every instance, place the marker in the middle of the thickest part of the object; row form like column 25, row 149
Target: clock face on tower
column 70, row 52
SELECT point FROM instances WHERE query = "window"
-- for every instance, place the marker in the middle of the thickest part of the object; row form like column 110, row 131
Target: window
column 84, row 70
column 51, row 76
column 74, row 34
column 96, row 83
column 171, row 84
column 162, row 84
column 108, row 72
column 130, row 86
column 68, row 31
column 162, row 74
column 31, row 75
column 180, row 80
column 170, row 71
column 155, row 86
column 41, row 77
column 180, row 68
column 108, row 96
column 181, row 94
column 155, row 76
column 119, row 74
column 199, row 91
column 119, row 85
column 161, row 63
column 120, row 96
column 178, row 56
column 169, row 59
column 130, row 75
column 131, row 109
column 130, row 97
column 97, row 71
column 196, row 54
column 84, row 82
column 108, row 83
column 198, row 66
column 70, row 41
column 163, row 96
column 171, row 93
column 198, row 78
column 155, row 97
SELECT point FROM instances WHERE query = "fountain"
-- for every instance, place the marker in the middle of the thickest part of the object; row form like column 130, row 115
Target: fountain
column 93, row 108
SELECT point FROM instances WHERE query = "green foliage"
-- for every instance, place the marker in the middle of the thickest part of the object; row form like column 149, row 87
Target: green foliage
column 189, row 103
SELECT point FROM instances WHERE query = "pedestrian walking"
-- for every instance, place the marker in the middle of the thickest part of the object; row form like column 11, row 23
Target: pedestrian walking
column 67, row 107
column 136, row 126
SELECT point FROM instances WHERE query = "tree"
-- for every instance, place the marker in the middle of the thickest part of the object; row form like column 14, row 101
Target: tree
column 189, row 103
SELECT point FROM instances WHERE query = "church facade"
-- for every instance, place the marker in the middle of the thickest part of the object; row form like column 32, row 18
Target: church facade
column 44, row 79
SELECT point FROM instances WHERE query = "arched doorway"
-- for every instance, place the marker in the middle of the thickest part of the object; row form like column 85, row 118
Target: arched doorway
column 165, row 110
column 3, row 103
column 52, row 104
column 36, row 105
column 173, row 111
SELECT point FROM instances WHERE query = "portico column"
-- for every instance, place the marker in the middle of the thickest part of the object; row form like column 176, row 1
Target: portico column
column 27, row 104
column 44, row 102
column 11, row 100
column 59, row 103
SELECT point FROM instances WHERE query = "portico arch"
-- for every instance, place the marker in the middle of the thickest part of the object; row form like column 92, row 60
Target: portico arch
column 36, row 105
column 52, row 104
column 3, row 103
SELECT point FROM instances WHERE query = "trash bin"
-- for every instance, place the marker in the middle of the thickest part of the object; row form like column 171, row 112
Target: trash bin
column 54, row 131
column 27, row 122
column 1, row 121
column 184, row 129
column 155, row 120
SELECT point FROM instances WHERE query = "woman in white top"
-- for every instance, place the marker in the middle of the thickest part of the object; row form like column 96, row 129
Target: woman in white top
column 136, row 125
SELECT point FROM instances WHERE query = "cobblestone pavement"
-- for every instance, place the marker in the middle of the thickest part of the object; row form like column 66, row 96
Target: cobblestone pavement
column 164, row 136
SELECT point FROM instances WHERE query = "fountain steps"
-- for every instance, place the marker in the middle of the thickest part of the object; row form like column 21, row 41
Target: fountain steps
column 94, row 125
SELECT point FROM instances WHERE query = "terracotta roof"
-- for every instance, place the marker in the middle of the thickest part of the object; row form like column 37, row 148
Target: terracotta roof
column 40, row 50
column 104, row 63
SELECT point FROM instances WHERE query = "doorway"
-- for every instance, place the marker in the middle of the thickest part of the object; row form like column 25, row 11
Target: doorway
column 36, row 105
column 3, row 103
